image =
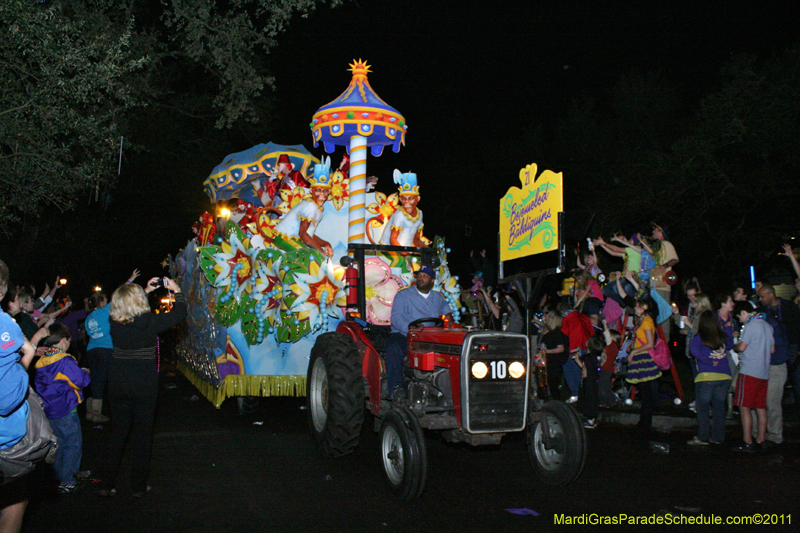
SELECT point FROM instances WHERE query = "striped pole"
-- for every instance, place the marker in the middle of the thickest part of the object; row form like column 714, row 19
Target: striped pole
column 358, row 189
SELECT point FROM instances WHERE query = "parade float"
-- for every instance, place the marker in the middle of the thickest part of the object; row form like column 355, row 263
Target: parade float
column 263, row 275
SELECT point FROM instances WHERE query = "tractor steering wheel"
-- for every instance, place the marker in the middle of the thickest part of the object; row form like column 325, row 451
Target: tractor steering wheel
column 437, row 322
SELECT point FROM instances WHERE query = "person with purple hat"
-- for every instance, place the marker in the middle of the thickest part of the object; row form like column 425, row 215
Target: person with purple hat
column 410, row 304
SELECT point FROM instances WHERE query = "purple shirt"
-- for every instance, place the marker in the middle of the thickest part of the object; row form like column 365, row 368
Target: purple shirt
column 71, row 321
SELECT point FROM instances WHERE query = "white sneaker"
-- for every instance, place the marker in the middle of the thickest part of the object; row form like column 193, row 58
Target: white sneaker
column 572, row 399
column 590, row 424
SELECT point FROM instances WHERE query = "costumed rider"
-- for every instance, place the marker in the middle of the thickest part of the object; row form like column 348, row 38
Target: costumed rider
column 406, row 224
column 410, row 304
column 283, row 177
column 304, row 218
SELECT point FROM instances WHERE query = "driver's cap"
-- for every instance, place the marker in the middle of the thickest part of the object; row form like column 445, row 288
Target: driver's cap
column 428, row 270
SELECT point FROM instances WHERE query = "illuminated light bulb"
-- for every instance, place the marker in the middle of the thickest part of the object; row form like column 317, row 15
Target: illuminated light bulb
column 516, row 369
column 480, row 370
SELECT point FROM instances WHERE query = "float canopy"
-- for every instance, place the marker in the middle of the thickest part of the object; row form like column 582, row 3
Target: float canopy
column 233, row 178
column 359, row 111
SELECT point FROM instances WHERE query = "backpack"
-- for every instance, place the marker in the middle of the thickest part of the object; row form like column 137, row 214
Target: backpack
column 781, row 354
column 660, row 353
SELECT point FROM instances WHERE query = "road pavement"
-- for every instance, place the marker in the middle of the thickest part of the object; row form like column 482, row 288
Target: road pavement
column 214, row 470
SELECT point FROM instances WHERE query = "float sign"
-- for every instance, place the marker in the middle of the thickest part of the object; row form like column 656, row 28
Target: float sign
column 529, row 216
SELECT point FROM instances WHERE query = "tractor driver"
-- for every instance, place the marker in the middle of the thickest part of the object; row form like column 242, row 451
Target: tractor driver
column 410, row 304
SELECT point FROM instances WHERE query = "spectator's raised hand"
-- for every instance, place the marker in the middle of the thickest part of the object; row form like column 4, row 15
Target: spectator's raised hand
column 787, row 250
column 621, row 238
column 134, row 275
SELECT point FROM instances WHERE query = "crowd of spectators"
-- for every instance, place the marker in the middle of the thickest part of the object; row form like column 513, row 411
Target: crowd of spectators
column 598, row 342
column 108, row 348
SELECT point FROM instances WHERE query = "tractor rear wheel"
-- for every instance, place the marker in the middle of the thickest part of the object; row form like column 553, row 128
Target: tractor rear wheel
column 335, row 396
column 563, row 461
column 404, row 455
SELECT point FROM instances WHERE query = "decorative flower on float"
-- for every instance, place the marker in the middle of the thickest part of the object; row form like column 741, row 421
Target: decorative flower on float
column 318, row 293
column 340, row 189
column 292, row 198
column 267, row 294
column 235, row 265
column 384, row 206
column 380, row 289
column 265, row 224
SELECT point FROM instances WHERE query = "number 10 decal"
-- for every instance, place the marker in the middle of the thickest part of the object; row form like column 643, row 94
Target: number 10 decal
column 498, row 369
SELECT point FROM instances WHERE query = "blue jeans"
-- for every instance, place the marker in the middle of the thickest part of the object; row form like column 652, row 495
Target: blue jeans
column 572, row 375
column 70, row 447
column 396, row 354
column 610, row 291
column 710, row 398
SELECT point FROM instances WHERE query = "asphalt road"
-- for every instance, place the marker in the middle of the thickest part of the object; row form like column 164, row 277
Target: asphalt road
column 216, row 471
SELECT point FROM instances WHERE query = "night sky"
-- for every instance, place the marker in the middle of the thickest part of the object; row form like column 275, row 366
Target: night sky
column 472, row 80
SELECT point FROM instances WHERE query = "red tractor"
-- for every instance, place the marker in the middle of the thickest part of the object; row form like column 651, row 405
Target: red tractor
column 470, row 386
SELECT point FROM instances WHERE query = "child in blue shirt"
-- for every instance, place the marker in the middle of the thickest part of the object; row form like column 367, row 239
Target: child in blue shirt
column 59, row 381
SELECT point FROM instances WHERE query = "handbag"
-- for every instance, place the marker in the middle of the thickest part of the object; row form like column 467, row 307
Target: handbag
column 39, row 443
column 660, row 354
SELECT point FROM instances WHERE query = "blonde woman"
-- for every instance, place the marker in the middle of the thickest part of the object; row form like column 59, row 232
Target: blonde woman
column 701, row 303
column 133, row 380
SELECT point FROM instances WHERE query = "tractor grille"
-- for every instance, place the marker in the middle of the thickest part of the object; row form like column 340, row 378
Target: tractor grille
column 498, row 401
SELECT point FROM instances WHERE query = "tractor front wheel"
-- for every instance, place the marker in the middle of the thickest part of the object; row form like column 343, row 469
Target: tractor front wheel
column 559, row 461
column 403, row 453
column 335, row 395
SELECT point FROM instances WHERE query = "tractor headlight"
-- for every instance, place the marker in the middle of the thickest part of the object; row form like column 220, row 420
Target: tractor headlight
column 516, row 369
column 479, row 370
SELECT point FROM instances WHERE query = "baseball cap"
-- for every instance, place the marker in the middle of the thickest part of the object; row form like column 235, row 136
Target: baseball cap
column 428, row 270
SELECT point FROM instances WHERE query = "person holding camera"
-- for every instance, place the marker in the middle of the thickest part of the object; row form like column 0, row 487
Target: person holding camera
column 133, row 379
